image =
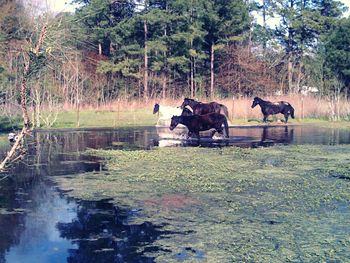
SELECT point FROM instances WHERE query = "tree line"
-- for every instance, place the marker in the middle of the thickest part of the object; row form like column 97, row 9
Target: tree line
column 124, row 49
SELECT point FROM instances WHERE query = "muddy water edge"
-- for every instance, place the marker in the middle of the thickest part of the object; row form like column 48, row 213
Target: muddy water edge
column 133, row 201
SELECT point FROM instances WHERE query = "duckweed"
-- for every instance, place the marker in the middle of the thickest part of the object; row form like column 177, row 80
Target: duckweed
column 278, row 204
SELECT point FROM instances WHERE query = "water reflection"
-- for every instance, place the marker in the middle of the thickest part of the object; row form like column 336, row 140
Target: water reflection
column 249, row 137
column 244, row 136
column 102, row 234
column 37, row 238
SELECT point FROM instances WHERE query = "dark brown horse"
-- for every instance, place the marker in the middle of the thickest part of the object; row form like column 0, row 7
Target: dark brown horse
column 197, row 123
column 200, row 108
column 186, row 112
column 271, row 108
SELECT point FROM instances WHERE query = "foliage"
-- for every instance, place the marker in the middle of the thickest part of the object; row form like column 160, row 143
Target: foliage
column 103, row 51
column 337, row 56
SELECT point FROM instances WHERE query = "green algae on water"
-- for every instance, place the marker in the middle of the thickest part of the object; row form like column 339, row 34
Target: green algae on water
column 278, row 204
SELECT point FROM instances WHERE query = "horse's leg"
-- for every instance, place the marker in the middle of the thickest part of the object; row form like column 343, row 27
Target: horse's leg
column 189, row 134
column 265, row 118
column 286, row 117
column 213, row 132
column 197, row 134
column 219, row 128
column 220, row 131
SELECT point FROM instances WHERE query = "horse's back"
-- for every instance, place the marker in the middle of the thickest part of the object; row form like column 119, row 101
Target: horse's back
column 210, row 107
column 212, row 117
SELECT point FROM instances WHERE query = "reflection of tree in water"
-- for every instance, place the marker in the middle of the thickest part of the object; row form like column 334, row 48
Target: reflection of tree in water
column 14, row 225
column 102, row 234
column 11, row 221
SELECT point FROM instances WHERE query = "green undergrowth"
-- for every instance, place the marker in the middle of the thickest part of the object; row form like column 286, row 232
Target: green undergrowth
column 278, row 204
column 9, row 124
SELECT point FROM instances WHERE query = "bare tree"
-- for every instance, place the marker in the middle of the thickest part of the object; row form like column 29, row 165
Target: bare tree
column 15, row 150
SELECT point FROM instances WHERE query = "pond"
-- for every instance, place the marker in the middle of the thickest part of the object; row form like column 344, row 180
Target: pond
column 39, row 223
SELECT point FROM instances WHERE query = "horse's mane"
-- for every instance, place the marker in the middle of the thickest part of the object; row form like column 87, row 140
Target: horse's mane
column 190, row 99
column 261, row 100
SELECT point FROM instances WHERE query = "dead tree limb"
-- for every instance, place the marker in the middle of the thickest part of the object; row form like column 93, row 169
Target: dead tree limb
column 12, row 154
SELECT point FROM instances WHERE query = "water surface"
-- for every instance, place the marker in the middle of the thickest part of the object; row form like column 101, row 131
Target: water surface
column 40, row 224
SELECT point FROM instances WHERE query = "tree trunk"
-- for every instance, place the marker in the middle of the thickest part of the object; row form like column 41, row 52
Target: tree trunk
column 264, row 26
column 25, row 116
column 191, row 79
column 26, row 121
column 212, row 71
column 145, row 80
column 164, row 80
column 290, row 74
column 99, row 49
column 298, row 81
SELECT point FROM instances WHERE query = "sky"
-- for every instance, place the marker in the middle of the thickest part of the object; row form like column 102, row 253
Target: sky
column 272, row 22
column 346, row 3
column 63, row 5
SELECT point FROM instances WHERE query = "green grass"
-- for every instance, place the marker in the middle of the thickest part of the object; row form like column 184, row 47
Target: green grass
column 8, row 124
column 279, row 204
column 144, row 117
column 91, row 118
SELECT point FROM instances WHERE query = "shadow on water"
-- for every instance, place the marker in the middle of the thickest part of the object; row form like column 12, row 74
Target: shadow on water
column 39, row 224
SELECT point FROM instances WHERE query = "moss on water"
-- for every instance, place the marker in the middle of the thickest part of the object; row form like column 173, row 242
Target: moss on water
column 278, row 204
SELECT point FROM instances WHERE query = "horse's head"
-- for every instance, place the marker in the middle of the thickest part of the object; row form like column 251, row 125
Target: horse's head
column 175, row 120
column 256, row 101
column 184, row 103
column 156, row 108
column 187, row 102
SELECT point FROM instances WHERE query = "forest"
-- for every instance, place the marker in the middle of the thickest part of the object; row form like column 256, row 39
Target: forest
column 128, row 50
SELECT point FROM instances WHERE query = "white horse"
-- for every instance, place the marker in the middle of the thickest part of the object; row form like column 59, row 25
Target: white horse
column 166, row 112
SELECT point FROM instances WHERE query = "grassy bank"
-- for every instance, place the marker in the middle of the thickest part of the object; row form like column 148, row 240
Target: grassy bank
column 133, row 113
column 144, row 117
column 93, row 118
column 139, row 113
column 279, row 204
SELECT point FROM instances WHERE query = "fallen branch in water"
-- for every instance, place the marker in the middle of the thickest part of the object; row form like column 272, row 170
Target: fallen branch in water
column 13, row 155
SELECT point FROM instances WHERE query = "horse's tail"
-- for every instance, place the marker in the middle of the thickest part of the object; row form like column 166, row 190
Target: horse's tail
column 224, row 109
column 226, row 128
column 291, row 111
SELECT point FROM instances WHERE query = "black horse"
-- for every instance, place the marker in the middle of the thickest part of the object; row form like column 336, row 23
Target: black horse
column 271, row 108
column 186, row 112
column 200, row 108
column 197, row 123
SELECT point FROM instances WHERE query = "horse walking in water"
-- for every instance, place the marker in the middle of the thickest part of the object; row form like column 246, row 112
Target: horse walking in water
column 197, row 123
column 166, row 112
column 271, row 108
column 200, row 108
